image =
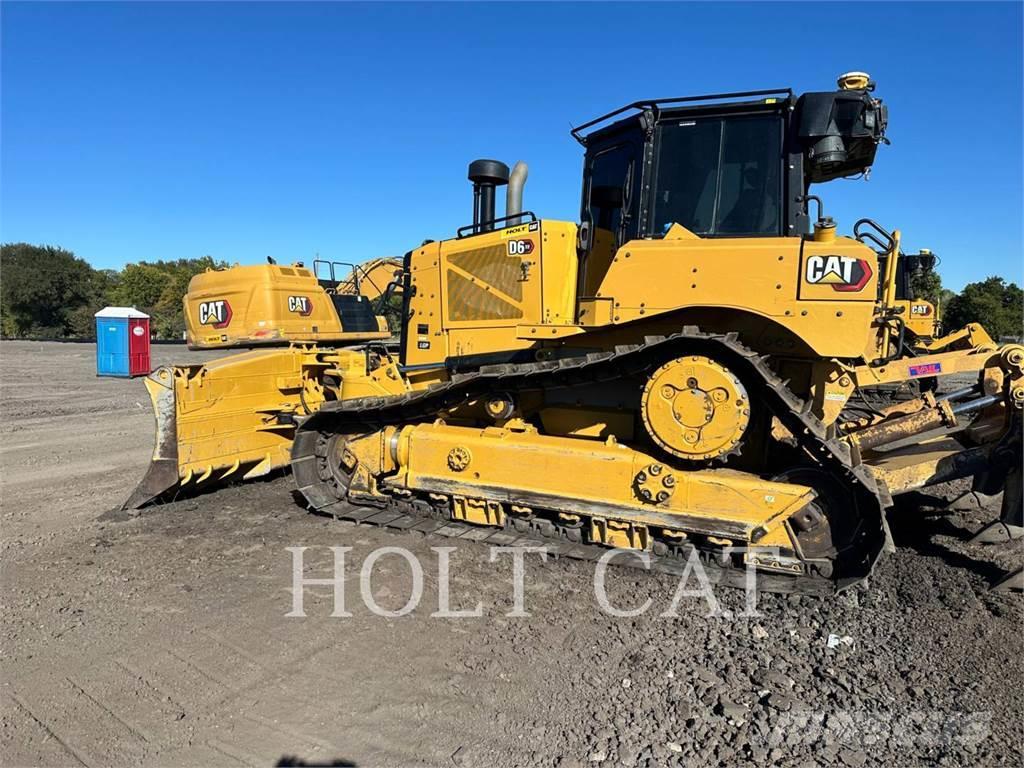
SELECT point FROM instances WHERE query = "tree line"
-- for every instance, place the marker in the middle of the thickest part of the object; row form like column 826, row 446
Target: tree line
column 48, row 292
column 995, row 303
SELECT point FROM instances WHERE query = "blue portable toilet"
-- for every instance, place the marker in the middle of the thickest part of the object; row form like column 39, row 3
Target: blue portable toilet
column 122, row 342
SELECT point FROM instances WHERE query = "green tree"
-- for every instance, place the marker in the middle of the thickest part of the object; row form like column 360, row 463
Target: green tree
column 946, row 296
column 45, row 291
column 994, row 303
column 48, row 292
column 157, row 288
column 140, row 285
column 926, row 284
column 81, row 321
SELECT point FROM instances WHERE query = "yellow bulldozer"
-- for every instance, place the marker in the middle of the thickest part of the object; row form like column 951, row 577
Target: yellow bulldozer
column 671, row 375
column 921, row 319
column 272, row 304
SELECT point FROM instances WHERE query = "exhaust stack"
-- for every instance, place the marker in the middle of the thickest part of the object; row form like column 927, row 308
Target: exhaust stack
column 485, row 175
column 514, row 194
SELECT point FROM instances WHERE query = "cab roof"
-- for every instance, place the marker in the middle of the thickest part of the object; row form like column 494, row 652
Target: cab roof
column 722, row 100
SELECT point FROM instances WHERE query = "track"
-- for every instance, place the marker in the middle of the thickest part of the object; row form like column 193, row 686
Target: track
column 853, row 564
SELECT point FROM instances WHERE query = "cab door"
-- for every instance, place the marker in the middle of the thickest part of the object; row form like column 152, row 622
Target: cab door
column 611, row 185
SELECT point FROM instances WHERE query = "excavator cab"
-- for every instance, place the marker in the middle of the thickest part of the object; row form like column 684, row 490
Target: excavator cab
column 345, row 283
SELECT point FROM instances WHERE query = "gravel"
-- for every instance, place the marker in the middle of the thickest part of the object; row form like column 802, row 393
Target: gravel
column 163, row 639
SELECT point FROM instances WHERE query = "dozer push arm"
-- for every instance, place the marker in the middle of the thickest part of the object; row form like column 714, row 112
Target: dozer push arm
column 908, row 444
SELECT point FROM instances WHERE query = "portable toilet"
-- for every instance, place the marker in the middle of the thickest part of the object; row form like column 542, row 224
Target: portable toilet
column 122, row 342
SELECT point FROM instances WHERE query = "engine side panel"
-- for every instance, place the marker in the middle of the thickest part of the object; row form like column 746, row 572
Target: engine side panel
column 490, row 295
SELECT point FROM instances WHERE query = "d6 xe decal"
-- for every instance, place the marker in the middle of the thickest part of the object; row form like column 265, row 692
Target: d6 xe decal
column 520, row 247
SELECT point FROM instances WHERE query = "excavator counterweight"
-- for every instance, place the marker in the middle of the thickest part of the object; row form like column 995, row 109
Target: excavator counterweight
column 272, row 304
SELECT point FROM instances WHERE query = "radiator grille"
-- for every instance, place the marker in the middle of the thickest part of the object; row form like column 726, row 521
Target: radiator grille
column 472, row 301
column 495, row 267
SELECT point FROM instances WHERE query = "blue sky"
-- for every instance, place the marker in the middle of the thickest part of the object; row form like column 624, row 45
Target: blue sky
column 144, row 131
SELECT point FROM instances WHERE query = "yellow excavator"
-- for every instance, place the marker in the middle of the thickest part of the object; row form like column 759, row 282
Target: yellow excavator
column 272, row 304
column 670, row 375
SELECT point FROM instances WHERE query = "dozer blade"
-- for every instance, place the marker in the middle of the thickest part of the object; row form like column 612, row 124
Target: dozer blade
column 1012, row 516
column 995, row 467
column 230, row 418
column 162, row 472
column 161, row 475
column 997, row 532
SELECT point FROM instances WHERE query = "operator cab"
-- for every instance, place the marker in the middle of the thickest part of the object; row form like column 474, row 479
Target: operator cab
column 725, row 165
column 354, row 310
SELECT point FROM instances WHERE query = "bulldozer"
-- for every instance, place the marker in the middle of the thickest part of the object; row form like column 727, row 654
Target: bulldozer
column 670, row 375
column 921, row 318
column 271, row 304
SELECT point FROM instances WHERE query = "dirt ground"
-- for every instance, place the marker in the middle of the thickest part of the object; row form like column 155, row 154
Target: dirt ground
column 163, row 639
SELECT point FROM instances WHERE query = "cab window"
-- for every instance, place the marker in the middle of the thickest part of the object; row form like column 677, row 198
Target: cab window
column 609, row 191
column 719, row 176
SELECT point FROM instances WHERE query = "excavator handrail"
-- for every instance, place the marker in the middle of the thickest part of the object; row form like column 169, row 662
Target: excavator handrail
column 577, row 132
column 330, row 263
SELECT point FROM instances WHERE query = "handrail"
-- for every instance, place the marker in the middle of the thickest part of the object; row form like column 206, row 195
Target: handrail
column 889, row 289
column 887, row 246
column 477, row 229
column 334, row 279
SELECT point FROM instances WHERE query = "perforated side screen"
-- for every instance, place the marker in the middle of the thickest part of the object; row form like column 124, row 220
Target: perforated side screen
column 472, row 301
column 498, row 280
